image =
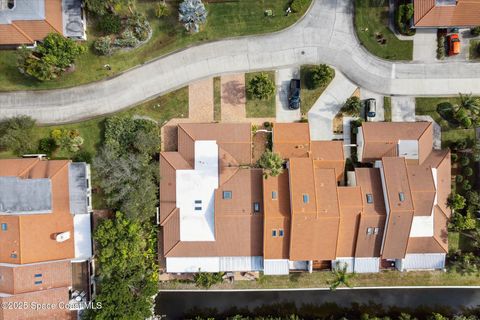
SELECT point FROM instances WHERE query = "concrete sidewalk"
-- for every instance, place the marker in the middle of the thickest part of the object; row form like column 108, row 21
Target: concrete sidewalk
column 320, row 116
column 403, row 109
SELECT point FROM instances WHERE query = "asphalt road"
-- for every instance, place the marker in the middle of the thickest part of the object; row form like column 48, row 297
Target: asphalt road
column 174, row 305
column 325, row 35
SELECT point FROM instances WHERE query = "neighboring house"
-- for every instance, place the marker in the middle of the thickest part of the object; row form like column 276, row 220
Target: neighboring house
column 46, row 251
column 391, row 214
column 446, row 13
column 23, row 22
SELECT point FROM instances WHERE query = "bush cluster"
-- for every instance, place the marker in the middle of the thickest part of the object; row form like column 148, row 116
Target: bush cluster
column 403, row 15
column 319, row 76
column 475, row 31
column 441, row 47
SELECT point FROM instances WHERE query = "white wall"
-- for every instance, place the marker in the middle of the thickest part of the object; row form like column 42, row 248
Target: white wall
column 422, row 261
column 275, row 266
column 213, row 264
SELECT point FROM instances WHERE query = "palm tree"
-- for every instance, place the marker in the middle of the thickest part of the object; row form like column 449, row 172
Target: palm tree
column 468, row 102
column 341, row 276
column 271, row 163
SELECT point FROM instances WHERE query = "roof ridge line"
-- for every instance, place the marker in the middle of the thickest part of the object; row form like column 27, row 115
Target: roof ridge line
column 173, row 247
column 59, row 169
column 48, row 22
column 21, row 173
column 426, row 13
column 170, row 163
column 169, row 215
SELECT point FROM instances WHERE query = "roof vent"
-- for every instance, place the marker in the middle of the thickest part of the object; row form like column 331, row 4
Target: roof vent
column 62, row 237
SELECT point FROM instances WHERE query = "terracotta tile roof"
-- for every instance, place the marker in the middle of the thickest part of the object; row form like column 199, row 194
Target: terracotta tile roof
column 315, row 211
column 277, row 216
column 54, row 296
column 28, row 31
column 381, row 138
column 291, row 139
column 18, row 279
column 30, row 236
column 423, row 188
column 370, row 182
column 464, row 13
column 436, row 244
column 399, row 220
column 350, row 199
column 238, row 229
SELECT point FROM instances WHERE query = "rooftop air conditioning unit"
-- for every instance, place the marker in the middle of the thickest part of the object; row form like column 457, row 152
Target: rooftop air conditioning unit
column 64, row 236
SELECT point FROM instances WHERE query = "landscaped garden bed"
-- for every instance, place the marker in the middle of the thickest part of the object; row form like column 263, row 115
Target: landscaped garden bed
column 224, row 19
column 314, row 79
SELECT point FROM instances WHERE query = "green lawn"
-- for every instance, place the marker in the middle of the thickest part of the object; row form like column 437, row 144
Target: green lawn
column 450, row 134
column 387, row 106
column 371, row 24
column 309, row 96
column 217, row 99
column 256, row 108
column 474, row 50
column 162, row 109
column 225, row 19
column 321, row 280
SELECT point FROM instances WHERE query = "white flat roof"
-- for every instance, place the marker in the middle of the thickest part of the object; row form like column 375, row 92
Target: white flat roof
column 82, row 236
column 195, row 194
column 408, row 149
column 422, row 226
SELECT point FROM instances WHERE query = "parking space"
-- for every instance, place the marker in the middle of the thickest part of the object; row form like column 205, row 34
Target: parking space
column 379, row 113
column 282, row 82
column 403, row 109
column 425, row 45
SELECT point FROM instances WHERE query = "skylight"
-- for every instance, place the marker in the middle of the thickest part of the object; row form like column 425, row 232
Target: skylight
column 401, row 196
column 369, row 198
column 227, row 195
column 306, row 198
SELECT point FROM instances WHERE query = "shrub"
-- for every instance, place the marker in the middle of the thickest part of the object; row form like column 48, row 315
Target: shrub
column 456, row 201
column 352, row 107
column 162, row 10
column 83, row 156
column 445, row 110
column 454, row 157
column 207, row 279
column 466, row 122
column 140, row 27
column 464, row 161
column 460, row 115
column 192, row 14
column 50, row 58
column 126, row 39
column 403, row 15
column 261, row 87
column 67, row 139
column 473, row 199
column 47, row 145
column 459, row 178
column 319, row 76
column 109, row 24
column 298, row 5
column 103, row 46
column 441, row 47
column 16, row 134
column 475, row 31
column 468, row 172
column 444, row 124
column 466, row 185
column 459, row 222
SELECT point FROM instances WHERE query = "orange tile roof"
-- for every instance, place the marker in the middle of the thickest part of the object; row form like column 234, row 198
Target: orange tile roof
column 350, row 199
column 291, row 139
column 381, row 138
column 30, row 236
column 463, row 13
column 400, row 218
column 238, row 229
column 27, row 31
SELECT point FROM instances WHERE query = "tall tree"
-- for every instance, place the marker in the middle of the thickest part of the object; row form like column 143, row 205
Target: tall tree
column 271, row 163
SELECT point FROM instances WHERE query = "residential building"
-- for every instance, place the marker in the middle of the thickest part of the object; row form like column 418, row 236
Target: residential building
column 446, row 13
column 46, row 252
column 390, row 212
column 211, row 208
column 23, row 22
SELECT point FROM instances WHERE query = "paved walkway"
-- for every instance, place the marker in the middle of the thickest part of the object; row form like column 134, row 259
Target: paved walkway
column 282, row 81
column 320, row 116
column 403, row 109
column 325, row 35
column 200, row 101
column 233, row 97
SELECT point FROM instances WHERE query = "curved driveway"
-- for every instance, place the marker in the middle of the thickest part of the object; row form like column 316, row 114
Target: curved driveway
column 325, row 35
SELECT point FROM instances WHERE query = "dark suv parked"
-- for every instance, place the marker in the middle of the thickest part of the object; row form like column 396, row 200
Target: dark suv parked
column 294, row 94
